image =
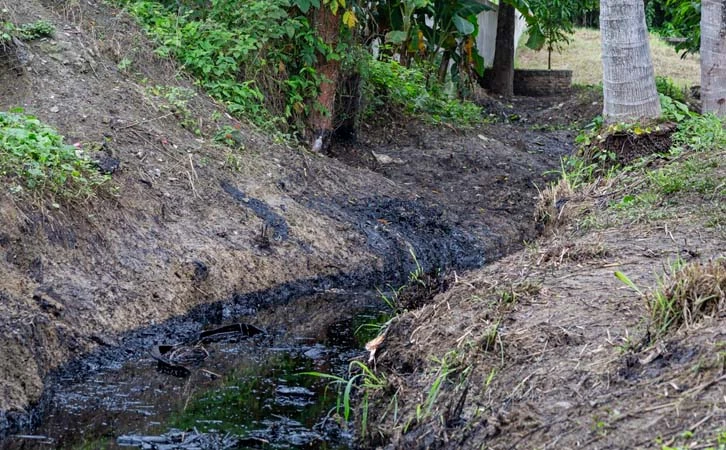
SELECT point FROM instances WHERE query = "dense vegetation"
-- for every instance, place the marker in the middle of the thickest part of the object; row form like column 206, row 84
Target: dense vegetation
column 260, row 59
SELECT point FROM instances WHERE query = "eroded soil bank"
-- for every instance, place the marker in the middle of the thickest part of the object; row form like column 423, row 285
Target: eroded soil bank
column 546, row 348
column 195, row 232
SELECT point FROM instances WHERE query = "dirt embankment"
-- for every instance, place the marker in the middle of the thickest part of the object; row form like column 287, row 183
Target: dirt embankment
column 546, row 348
column 195, row 223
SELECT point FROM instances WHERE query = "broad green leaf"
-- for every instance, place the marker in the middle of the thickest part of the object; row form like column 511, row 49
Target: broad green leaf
column 396, row 37
column 536, row 39
column 464, row 26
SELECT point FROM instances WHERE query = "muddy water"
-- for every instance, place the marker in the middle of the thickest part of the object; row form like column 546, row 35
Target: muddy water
column 249, row 393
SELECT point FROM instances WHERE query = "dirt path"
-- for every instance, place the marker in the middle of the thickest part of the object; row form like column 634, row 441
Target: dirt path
column 202, row 232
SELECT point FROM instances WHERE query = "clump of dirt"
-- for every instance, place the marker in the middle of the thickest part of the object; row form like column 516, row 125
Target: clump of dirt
column 201, row 232
column 628, row 145
column 421, row 289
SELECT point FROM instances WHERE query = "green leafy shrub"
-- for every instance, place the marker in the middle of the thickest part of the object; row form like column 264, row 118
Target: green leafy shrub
column 7, row 29
column 26, row 32
column 257, row 58
column 33, row 156
column 388, row 83
column 682, row 19
column 36, row 30
column 673, row 110
column 700, row 133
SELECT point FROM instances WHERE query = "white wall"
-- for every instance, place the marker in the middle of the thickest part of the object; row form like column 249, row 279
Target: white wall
column 487, row 37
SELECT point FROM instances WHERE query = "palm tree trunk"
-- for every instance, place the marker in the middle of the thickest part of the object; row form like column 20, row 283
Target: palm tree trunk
column 628, row 77
column 713, row 56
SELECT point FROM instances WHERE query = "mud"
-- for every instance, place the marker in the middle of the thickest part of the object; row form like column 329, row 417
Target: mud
column 262, row 210
column 249, row 392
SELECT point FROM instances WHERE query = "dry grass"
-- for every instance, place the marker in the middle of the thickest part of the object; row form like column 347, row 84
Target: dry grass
column 697, row 290
column 550, row 209
column 583, row 57
column 577, row 252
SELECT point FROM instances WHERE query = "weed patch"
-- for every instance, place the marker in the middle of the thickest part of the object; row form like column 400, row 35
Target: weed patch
column 33, row 156
column 36, row 30
column 389, row 83
column 700, row 133
column 177, row 103
column 26, row 32
column 687, row 294
column 361, row 378
column 665, row 168
column 667, row 87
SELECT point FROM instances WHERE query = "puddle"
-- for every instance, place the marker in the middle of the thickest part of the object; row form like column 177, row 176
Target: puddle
column 248, row 393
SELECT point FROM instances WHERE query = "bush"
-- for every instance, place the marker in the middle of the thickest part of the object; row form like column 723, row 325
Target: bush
column 258, row 58
column 34, row 157
column 36, row 30
column 389, row 83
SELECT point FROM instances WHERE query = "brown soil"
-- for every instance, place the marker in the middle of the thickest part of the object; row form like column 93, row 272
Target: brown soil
column 547, row 349
column 194, row 223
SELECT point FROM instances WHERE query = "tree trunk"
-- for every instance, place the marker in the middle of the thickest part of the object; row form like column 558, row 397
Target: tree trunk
column 713, row 56
column 320, row 121
column 502, row 79
column 628, row 78
column 549, row 58
column 444, row 66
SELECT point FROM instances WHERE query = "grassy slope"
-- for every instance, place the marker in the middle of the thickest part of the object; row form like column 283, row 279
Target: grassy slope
column 583, row 57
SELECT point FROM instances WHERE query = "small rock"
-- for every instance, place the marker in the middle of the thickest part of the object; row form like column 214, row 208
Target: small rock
column 54, row 109
column 385, row 159
column 201, row 271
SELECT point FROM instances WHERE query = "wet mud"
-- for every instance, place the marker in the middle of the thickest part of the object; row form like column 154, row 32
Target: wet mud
column 249, row 392
column 261, row 209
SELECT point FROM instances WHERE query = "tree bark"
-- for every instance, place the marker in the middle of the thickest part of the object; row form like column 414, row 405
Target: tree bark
column 628, row 78
column 444, row 66
column 502, row 79
column 320, row 121
column 713, row 56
